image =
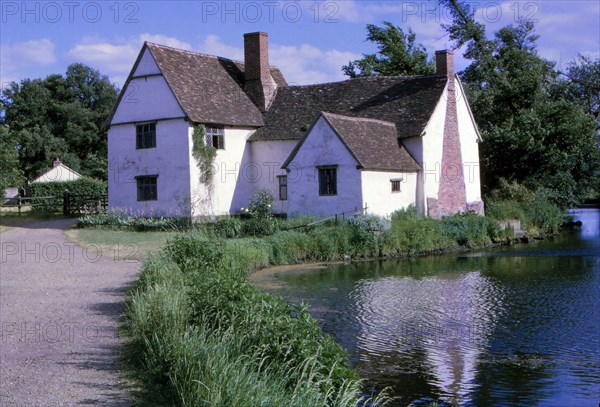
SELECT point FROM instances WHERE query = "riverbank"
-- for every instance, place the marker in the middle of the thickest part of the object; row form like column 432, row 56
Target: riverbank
column 195, row 321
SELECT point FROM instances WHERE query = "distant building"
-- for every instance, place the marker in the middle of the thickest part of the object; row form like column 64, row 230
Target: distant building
column 379, row 142
column 58, row 173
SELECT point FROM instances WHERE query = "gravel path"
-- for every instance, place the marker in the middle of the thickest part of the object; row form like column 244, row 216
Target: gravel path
column 60, row 308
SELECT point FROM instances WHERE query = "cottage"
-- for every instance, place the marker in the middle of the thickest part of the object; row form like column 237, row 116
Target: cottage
column 57, row 173
column 380, row 143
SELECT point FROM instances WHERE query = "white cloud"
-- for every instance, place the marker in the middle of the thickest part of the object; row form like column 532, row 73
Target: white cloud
column 165, row 40
column 300, row 64
column 22, row 55
column 213, row 45
column 116, row 58
column 29, row 53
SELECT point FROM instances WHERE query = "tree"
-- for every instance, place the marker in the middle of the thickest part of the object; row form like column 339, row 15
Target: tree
column 60, row 116
column 398, row 54
column 533, row 130
column 10, row 175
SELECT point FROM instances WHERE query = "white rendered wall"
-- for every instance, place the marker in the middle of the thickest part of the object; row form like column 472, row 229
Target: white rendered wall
column 323, row 147
column 377, row 191
column 266, row 159
column 147, row 65
column 229, row 174
column 469, row 147
column 169, row 160
column 433, row 144
column 148, row 98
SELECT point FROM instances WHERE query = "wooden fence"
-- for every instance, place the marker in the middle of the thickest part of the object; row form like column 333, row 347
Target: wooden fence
column 68, row 204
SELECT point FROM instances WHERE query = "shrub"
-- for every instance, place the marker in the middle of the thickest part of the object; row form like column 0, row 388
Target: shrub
column 229, row 227
column 469, row 229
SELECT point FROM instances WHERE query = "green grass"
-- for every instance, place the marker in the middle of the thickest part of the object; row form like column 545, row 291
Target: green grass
column 130, row 244
column 202, row 335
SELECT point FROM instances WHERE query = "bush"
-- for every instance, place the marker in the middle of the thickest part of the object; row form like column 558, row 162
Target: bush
column 229, row 227
column 470, row 230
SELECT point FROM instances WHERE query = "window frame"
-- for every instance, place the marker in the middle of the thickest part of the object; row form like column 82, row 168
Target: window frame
column 215, row 136
column 141, row 197
column 396, row 182
column 142, row 136
column 283, row 185
column 327, row 187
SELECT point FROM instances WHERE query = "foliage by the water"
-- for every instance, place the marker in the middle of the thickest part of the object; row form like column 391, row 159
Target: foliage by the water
column 201, row 335
column 534, row 208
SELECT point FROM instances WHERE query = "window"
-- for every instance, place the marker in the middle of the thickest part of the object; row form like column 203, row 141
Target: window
column 145, row 135
column 147, row 188
column 215, row 136
column 396, row 184
column 282, row 187
column 328, row 180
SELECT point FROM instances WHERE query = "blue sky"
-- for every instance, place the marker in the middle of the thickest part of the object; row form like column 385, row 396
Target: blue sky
column 309, row 40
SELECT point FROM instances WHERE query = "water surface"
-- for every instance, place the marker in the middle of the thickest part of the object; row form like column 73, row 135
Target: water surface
column 514, row 326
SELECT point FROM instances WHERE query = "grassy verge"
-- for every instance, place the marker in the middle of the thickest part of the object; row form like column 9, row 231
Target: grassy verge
column 129, row 245
column 202, row 335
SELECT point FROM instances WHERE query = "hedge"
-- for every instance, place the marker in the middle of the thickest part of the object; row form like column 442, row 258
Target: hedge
column 82, row 186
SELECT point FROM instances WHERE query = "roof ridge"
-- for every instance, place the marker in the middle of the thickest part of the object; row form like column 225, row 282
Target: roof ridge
column 359, row 118
column 186, row 51
column 368, row 78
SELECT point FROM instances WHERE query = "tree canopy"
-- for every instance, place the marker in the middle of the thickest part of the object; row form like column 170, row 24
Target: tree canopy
column 59, row 116
column 398, row 54
column 539, row 125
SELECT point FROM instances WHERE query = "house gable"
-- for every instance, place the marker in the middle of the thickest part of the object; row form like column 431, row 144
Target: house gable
column 322, row 147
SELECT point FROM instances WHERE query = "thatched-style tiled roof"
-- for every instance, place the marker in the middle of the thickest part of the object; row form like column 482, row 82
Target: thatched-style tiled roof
column 373, row 143
column 408, row 102
column 209, row 89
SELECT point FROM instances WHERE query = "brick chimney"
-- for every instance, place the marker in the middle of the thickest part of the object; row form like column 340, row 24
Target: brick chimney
column 260, row 85
column 56, row 162
column 444, row 63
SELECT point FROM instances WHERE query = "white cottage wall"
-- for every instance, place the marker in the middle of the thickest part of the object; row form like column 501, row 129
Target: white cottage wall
column 148, row 98
column 229, row 173
column 322, row 147
column 433, row 143
column 378, row 195
column 169, row 160
column 469, row 146
column 267, row 157
column 147, row 65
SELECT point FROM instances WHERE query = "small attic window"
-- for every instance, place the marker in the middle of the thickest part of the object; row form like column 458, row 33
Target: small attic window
column 215, row 136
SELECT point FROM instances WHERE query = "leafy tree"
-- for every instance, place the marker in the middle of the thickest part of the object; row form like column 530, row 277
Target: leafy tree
column 398, row 54
column 534, row 129
column 10, row 175
column 60, row 116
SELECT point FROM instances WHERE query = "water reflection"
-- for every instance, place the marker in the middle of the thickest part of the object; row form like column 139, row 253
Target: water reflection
column 513, row 326
column 448, row 320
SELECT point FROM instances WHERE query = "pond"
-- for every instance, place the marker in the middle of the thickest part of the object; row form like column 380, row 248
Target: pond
column 511, row 326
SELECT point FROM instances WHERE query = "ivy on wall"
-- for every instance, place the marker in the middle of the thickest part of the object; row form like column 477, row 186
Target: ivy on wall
column 204, row 154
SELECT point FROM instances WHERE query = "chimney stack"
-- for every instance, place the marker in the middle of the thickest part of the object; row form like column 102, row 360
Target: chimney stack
column 56, row 162
column 444, row 63
column 259, row 85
